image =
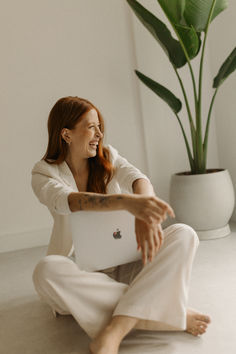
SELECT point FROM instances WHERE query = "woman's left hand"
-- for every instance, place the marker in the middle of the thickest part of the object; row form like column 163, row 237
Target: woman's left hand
column 149, row 239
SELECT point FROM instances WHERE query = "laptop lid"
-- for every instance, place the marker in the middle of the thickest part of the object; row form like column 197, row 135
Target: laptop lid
column 103, row 239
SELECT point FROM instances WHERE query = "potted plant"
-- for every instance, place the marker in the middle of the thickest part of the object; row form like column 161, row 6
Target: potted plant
column 201, row 197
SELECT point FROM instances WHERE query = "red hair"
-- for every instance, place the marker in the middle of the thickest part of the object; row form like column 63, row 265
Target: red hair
column 66, row 113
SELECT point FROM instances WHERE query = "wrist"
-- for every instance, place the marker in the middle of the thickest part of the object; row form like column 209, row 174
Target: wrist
column 126, row 201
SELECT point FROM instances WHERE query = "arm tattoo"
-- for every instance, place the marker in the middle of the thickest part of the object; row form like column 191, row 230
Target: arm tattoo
column 90, row 202
column 80, row 205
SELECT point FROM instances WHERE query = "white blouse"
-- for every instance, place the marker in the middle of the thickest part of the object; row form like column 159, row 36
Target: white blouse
column 52, row 184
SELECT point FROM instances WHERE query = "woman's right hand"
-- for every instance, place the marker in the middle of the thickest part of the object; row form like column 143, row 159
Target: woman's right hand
column 149, row 239
column 149, row 209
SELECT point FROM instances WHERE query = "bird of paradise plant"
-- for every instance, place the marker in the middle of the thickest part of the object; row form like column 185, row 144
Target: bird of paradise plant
column 189, row 20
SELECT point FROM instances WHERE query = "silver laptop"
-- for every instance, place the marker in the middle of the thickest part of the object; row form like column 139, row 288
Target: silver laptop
column 103, row 239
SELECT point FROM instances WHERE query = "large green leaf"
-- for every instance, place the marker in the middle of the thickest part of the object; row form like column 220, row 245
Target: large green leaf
column 174, row 10
column 174, row 103
column 226, row 69
column 161, row 33
column 190, row 39
column 197, row 11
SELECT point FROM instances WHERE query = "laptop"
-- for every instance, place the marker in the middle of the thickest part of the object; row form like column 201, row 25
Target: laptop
column 103, row 239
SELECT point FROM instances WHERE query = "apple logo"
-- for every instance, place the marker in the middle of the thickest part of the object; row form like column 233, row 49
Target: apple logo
column 117, row 234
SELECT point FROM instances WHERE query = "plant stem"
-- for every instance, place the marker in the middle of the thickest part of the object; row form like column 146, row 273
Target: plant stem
column 191, row 161
column 202, row 54
column 205, row 144
column 201, row 158
column 191, row 70
column 192, row 127
column 185, row 97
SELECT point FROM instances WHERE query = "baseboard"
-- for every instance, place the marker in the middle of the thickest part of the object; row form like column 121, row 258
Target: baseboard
column 28, row 239
column 40, row 237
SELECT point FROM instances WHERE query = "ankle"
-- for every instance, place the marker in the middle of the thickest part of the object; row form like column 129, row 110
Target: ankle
column 120, row 326
column 114, row 332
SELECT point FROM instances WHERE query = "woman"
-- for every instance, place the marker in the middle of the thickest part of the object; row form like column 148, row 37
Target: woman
column 79, row 173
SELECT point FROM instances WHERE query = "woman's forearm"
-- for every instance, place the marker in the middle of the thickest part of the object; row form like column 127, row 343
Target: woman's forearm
column 95, row 201
column 144, row 207
column 104, row 202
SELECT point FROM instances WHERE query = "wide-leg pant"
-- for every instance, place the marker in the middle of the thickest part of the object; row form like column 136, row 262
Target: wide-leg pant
column 157, row 293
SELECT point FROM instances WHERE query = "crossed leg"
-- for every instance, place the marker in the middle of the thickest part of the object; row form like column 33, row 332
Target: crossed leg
column 108, row 341
column 107, row 310
column 184, row 241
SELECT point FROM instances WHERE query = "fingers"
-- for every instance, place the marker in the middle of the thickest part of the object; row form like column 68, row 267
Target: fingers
column 150, row 243
column 151, row 248
column 149, row 239
column 149, row 209
column 166, row 208
column 144, row 251
column 158, row 238
column 157, row 241
column 160, row 233
column 156, row 211
column 142, row 245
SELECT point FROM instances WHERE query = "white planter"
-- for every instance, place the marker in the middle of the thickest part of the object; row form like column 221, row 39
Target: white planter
column 203, row 201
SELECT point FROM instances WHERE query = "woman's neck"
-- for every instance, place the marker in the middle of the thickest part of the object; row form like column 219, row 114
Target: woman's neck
column 78, row 166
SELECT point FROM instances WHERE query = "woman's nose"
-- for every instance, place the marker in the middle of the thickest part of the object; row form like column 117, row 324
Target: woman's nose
column 99, row 133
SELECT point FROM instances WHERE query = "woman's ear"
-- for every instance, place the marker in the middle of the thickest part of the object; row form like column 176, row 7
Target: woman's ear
column 65, row 135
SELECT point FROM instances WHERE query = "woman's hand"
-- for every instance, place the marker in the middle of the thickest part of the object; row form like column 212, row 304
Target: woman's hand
column 149, row 239
column 149, row 209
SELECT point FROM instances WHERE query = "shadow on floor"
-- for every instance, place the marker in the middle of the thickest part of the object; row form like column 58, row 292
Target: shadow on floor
column 28, row 327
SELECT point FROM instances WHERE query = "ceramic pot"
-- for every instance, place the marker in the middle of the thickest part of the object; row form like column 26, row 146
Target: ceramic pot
column 203, row 201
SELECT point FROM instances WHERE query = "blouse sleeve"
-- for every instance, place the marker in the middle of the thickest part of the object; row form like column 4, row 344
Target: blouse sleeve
column 125, row 172
column 49, row 189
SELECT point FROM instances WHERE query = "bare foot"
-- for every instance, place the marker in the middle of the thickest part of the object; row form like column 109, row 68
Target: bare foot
column 196, row 322
column 105, row 343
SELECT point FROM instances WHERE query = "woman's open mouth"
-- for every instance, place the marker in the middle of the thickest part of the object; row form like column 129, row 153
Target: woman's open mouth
column 94, row 145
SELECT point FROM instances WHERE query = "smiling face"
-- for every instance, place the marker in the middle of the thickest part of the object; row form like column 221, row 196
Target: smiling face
column 83, row 139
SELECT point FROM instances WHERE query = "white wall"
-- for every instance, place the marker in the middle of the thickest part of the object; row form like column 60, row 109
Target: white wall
column 222, row 40
column 88, row 48
column 52, row 49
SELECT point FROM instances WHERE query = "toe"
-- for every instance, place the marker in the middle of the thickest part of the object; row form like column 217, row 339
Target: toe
column 201, row 330
column 193, row 331
column 201, row 324
column 203, row 318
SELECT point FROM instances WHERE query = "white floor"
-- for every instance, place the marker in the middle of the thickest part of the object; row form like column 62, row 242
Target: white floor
column 28, row 327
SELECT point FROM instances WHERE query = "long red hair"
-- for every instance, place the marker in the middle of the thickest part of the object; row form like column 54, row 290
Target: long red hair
column 66, row 113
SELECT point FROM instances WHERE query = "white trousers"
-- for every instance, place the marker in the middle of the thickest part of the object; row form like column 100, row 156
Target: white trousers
column 157, row 293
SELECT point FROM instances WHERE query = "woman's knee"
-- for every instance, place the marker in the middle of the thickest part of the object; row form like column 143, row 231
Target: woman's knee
column 186, row 235
column 49, row 267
